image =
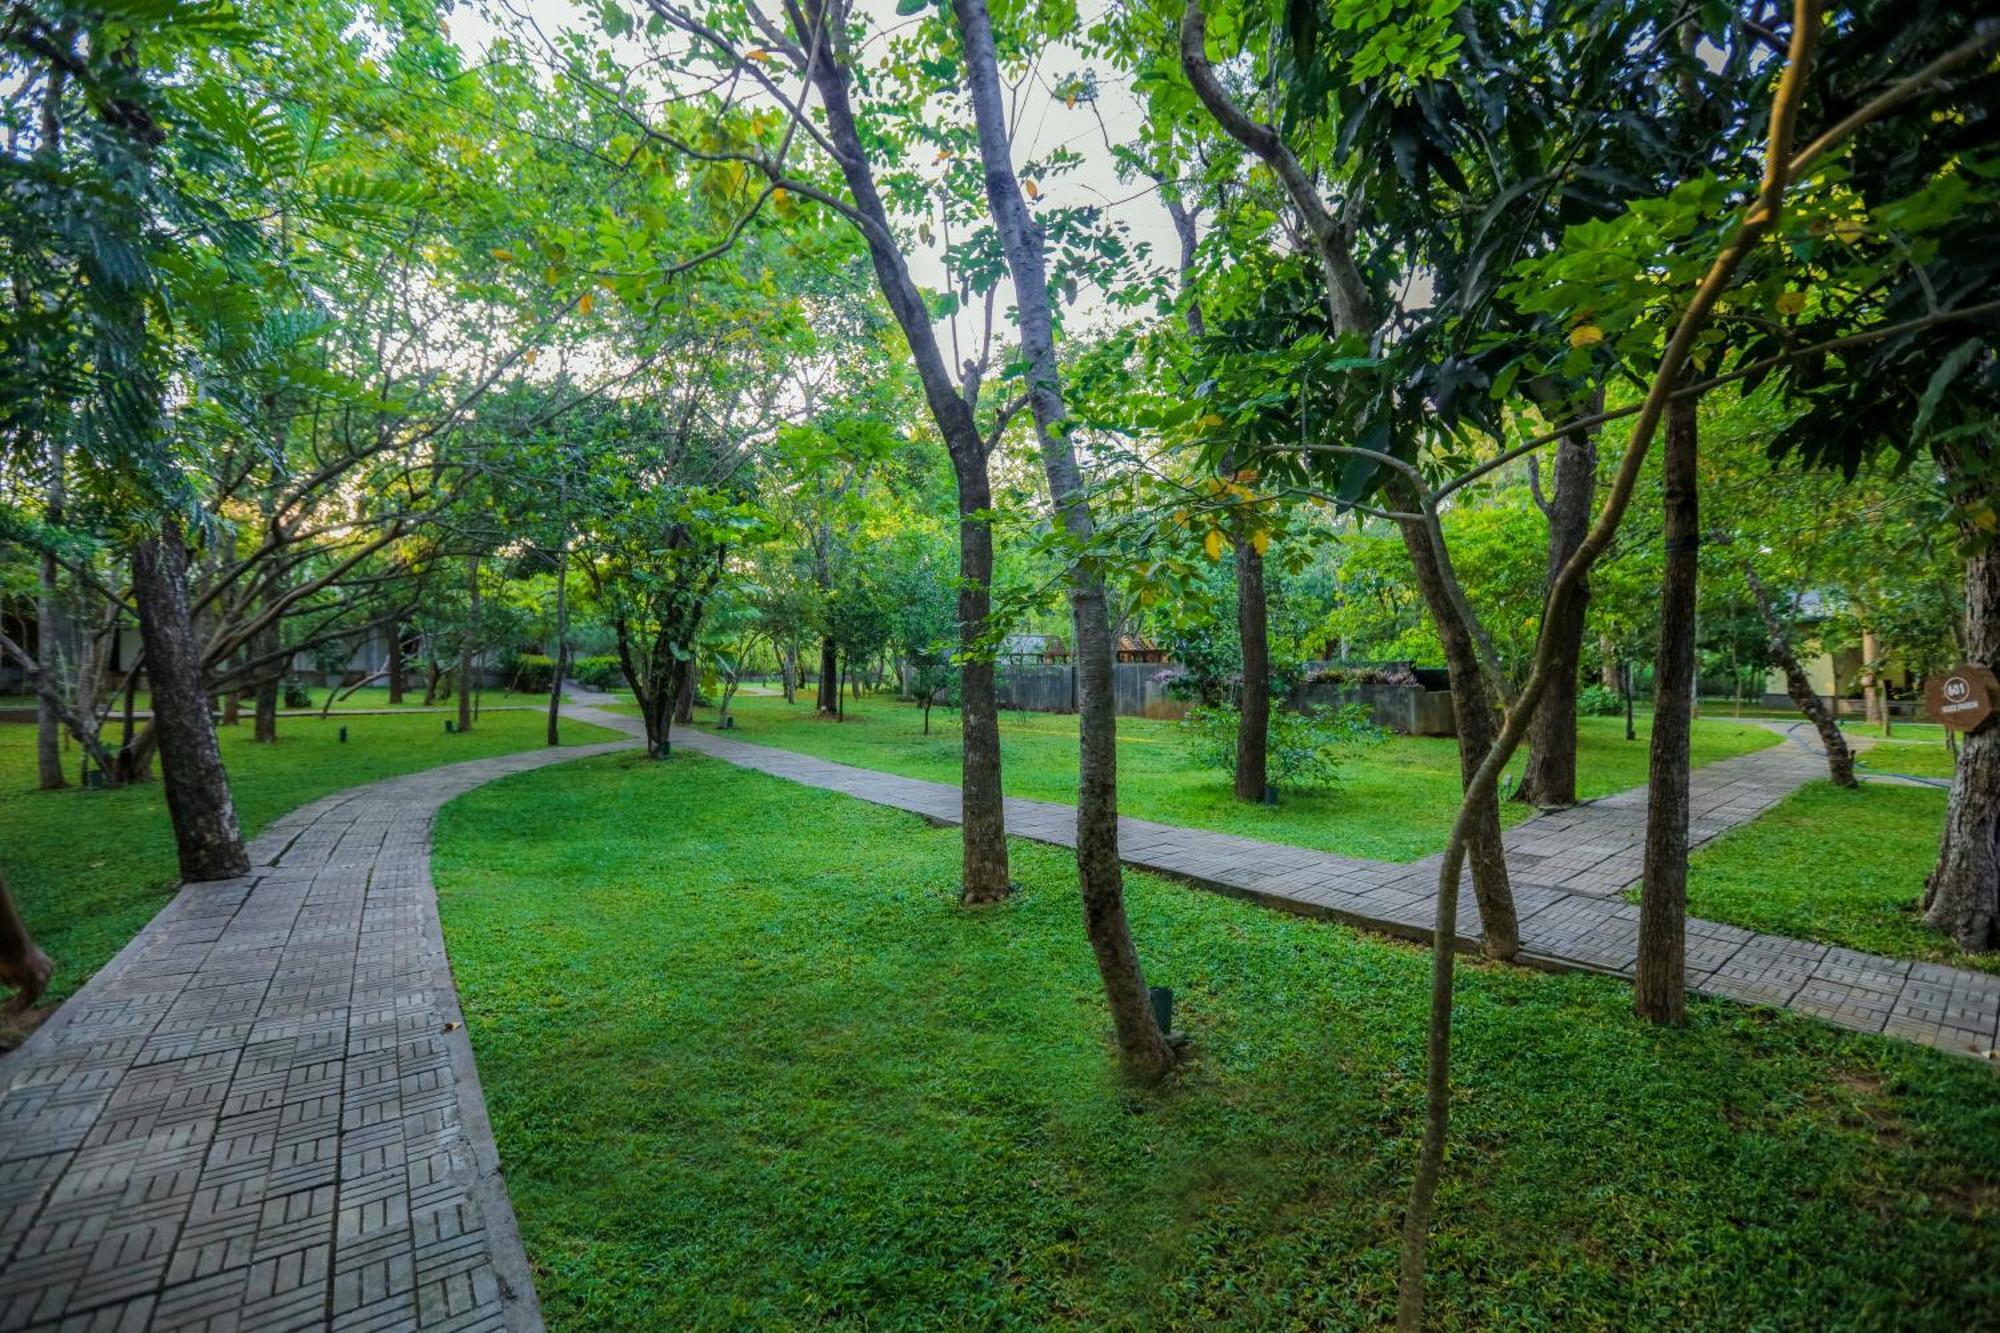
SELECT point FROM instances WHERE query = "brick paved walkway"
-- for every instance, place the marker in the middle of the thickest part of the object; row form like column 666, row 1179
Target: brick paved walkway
column 263, row 1113
column 1570, row 870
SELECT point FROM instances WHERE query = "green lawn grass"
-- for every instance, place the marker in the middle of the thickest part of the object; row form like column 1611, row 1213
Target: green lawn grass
column 1915, row 750
column 1838, row 866
column 89, row 868
column 1395, row 801
column 750, row 1065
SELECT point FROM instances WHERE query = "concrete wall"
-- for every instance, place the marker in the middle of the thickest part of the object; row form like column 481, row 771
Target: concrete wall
column 1410, row 710
column 1051, row 688
column 1142, row 692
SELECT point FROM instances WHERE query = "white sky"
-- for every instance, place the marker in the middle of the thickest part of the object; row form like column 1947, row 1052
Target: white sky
column 1045, row 124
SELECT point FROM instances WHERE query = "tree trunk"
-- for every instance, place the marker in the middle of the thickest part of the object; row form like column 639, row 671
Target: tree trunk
column 1871, row 699
column 264, row 711
column 1253, row 717
column 828, row 697
column 466, row 642
column 1839, row 758
column 396, row 674
column 1142, row 1044
column 1478, row 725
column 197, row 787
column 53, row 646
column 788, row 668
column 562, row 648
column 1659, row 983
column 23, row 967
column 684, row 692
column 1962, row 894
column 431, row 674
column 1549, row 777
column 1608, row 674
column 232, row 709
column 981, row 804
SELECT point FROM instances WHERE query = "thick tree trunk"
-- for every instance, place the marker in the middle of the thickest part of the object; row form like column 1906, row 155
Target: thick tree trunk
column 24, row 968
column 1659, row 984
column 397, row 681
column 1143, row 1046
column 232, row 708
column 1478, row 726
column 1253, row 717
column 981, row 804
column 1549, row 777
column 197, row 788
column 466, row 642
column 684, row 694
column 828, row 697
column 1962, row 894
column 53, row 648
column 1839, row 758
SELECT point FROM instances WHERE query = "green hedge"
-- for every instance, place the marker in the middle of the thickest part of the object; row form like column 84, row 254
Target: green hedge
column 597, row 673
column 532, row 673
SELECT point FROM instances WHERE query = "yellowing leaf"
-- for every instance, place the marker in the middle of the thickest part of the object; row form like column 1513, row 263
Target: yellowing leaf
column 1260, row 541
column 1033, row 190
column 1850, row 229
column 528, row 357
column 1790, row 303
column 503, row 254
column 1585, row 335
column 760, row 55
column 583, row 306
column 1213, row 544
column 1209, row 422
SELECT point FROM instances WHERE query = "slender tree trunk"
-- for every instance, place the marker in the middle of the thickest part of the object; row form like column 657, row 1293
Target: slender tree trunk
column 1839, row 758
column 466, row 642
column 431, row 674
column 1549, row 776
column 1143, row 1046
column 1659, row 983
column 562, row 647
column 396, row 674
column 197, row 787
column 232, row 709
column 1962, row 893
column 1478, row 724
column 53, row 647
column 788, row 673
column 264, row 711
column 1871, row 698
column 1608, row 674
column 24, row 968
column 1253, row 718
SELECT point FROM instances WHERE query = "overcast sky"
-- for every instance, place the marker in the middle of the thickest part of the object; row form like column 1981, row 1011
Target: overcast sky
column 1045, row 124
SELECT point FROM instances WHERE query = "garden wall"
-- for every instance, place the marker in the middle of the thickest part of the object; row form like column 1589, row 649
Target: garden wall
column 1412, row 710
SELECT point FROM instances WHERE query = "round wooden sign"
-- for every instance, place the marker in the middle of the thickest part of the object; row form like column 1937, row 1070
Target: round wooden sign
column 1964, row 697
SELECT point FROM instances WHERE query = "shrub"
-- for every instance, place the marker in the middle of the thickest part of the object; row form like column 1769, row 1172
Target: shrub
column 1595, row 700
column 596, row 673
column 1306, row 748
column 532, row 673
column 296, row 693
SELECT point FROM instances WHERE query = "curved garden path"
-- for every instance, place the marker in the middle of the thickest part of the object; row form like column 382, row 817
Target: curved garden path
column 264, row 1113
